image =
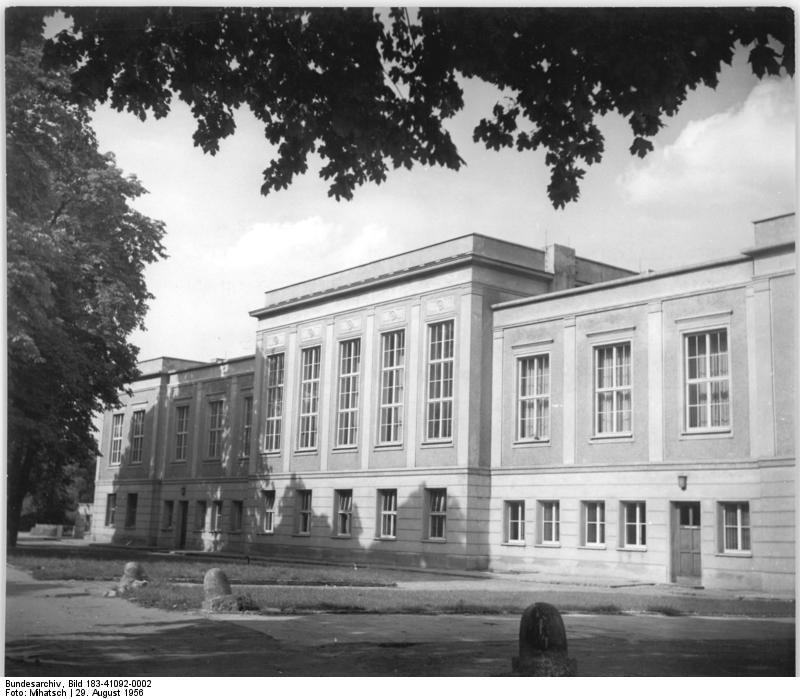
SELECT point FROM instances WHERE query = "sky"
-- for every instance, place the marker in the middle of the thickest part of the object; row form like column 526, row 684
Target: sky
column 726, row 159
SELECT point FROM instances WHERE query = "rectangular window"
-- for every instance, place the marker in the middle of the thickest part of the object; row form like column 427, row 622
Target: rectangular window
column 247, row 425
column 200, row 510
column 594, row 523
column 612, row 389
column 274, row 402
column 304, row 512
column 111, row 509
column 169, row 514
column 137, row 436
column 437, row 513
column 216, row 516
column 634, row 524
column 309, row 398
column 347, row 413
column 440, row 381
column 344, row 512
column 269, row 511
column 237, row 515
column 116, row 439
column 533, row 402
column 707, row 381
column 387, row 500
column 130, row 510
column 392, row 380
column 514, row 522
column 215, row 429
column 735, row 520
column 549, row 522
column 181, row 432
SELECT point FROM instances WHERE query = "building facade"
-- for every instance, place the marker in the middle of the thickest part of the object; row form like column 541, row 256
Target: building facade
column 482, row 405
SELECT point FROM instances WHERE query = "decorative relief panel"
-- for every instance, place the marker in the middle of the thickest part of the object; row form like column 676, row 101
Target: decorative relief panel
column 392, row 315
column 310, row 332
column 275, row 340
column 348, row 325
column 444, row 304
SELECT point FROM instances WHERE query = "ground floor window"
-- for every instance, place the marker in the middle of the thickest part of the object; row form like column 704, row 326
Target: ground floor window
column 549, row 522
column 437, row 512
column 594, row 523
column 269, row 511
column 130, row 510
column 344, row 512
column 111, row 509
column 168, row 514
column 735, row 527
column 304, row 512
column 387, row 504
column 514, row 514
column 200, row 515
column 634, row 524
column 237, row 515
column 216, row 516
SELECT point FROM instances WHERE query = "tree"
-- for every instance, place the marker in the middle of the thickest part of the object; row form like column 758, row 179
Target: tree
column 369, row 91
column 76, row 253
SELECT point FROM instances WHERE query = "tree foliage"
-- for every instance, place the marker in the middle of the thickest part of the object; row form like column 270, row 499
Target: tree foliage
column 372, row 90
column 76, row 254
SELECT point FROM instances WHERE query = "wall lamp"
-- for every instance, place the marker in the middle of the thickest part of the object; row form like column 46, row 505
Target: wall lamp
column 682, row 479
column 183, row 489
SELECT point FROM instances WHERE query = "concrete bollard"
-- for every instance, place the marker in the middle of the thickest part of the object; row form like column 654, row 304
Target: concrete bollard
column 215, row 584
column 133, row 576
column 543, row 644
column 218, row 596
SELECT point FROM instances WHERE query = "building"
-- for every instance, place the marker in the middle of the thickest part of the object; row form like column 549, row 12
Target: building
column 478, row 404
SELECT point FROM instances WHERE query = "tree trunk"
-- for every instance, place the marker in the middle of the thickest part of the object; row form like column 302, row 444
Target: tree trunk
column 18, row 481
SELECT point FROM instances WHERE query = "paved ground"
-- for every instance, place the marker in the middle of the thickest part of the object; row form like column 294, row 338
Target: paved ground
column 63, row 629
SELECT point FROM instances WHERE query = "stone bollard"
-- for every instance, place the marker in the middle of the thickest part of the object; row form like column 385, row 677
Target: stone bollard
column 218, row 596
column 543, row 644
column 133, row 576
column 215, row 584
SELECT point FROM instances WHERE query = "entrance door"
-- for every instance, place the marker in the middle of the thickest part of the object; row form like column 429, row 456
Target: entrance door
column 686, row 542
column 183, row 516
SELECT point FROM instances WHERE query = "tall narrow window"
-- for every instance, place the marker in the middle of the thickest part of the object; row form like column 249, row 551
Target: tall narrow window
column 347, row 413
column 549, row 522
column 137, row 436
column 130, row 510
column 388, row 513
column 237, row 515
column 181, row 432
column 515, row 522
column 594, row 523
column 437, row 513
column 216, row 516
column 344, row 512
column 392, row 379
column 274, row 402
column 200, row 511
column 247, row 424
column 735, row 527
column 612, row 389
column 440, row 381
column 116, row 439
column 533, row 390
column 707, row 381
column 169, row 514
column 634, row 523
column 215, row 429
column 111, row 509
column 269, row 511
column 309, row 398
column 305, row 512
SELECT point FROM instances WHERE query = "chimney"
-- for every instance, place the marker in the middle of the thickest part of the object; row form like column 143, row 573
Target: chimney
column 559, row 260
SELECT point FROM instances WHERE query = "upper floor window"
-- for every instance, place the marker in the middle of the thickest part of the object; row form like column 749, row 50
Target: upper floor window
column 344, row 512
column 347, row 413
column 441, row 346
column 387, row 500
column 309, row 397
column 181, row 432
column 137, row 436
column 533, row 391
column 247, row 424
column 215, row 429
column 392, row 380
column 116, row 439
column 274, row 402
column 612, row 389
column 707, row 380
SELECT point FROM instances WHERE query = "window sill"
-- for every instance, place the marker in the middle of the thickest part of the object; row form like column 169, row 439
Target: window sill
column 734, row 554
column 265, row 533
column 593, row 547
column 389, row 447
column 385, row 538
column 640, row 549
column 178, row 461
column 434, row 541
column 302, row 535
column 611, row 438
column 305, row 452
column 349, row 449
column 514, row 544
column 531, row 443
column 548, row 545
column 434, row 445
column 707, row 434
column 212, row 460
column 341, row 536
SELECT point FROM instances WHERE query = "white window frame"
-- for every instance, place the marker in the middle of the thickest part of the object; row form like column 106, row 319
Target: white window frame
column 392, row 387
column 514, row 522
column 344, row 512
column 308, row 422
column 549, row 520
column 533, row 402
column 247, row 425
column 616, row 390
column 216, row 421
column 387, row 511
column 639, row 523
column 347, row 404
column 706, row 381
column 181, row 432
column 597, row 519
column 742, row 529
column 274, row 408
column 305, row 512
column 436, row 509
column 216, row 516
column 268, row 525
column 115, row 449
column 137, row 436
column 440, row 381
